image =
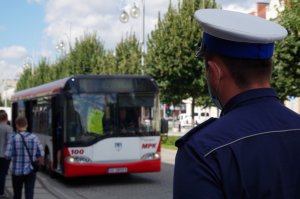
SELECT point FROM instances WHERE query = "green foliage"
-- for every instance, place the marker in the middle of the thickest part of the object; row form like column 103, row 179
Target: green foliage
column 41, row 73
column 286, row 78
column 169, row 141
column 128, row 56
column 87, row 56
column 60, row 69
column 171, row 53
column 25, row 80
column 1, row 101
column 110, row 64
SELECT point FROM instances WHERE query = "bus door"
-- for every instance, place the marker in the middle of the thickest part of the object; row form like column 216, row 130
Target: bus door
column 58, row 138
column 29, row 114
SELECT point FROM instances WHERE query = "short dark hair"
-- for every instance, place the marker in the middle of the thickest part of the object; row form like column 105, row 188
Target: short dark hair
column 3, row 115
column 21, row 121
column 247, row 71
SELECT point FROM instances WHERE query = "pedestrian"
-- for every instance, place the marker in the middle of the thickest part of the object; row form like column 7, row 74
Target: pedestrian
column 253, row 149
column 5, row 133
column 22, row 169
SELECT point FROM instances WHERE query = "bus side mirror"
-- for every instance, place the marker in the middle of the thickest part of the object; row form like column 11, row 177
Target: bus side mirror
column 164, row 127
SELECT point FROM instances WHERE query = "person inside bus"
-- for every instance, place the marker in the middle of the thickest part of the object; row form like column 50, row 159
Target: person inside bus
column 95, row 120
column 128, row 123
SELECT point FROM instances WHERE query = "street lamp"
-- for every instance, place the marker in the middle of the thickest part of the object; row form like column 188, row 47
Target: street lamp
column 60, row 46
column 135, row 13
column 124, row 17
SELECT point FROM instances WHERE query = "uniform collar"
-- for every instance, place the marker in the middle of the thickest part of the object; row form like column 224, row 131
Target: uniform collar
column 246, row 96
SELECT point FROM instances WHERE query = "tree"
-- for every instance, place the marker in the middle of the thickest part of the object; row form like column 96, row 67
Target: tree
column 128, row 55
column 87, row 56
column 2, row 103
column 171, row 54
column 41, row 73
column 60, row 69
column 110, row 63
column 286, row 76
column 25, row 80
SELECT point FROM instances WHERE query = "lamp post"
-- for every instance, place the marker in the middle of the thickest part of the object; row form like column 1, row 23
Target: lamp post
column 5, row 102
column 135, row 13
column 6, row 95
column 29, row 64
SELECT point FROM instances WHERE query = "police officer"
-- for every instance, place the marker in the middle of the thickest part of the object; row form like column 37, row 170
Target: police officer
column 253, row 150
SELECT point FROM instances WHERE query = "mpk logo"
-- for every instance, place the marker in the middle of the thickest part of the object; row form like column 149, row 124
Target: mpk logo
column 149, row 145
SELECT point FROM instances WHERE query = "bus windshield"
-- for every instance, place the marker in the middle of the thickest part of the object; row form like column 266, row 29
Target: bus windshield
column 91, row 117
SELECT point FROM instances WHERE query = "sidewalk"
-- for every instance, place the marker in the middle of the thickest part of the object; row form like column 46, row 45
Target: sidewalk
column 40, row 190
column 174, row 131
column 168, row 156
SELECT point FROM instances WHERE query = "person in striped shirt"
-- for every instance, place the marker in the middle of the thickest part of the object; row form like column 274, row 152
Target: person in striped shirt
column 22, row 170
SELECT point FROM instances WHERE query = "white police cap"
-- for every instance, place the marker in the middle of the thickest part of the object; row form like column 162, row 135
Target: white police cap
column 237, row 35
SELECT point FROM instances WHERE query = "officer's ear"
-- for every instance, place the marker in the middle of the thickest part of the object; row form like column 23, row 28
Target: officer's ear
column 215, row 70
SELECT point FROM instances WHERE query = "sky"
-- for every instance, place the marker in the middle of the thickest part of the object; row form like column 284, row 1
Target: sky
column 31, row 29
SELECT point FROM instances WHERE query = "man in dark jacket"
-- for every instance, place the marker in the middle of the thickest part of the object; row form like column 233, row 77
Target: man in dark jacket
column 253, row 150
column 5, row 133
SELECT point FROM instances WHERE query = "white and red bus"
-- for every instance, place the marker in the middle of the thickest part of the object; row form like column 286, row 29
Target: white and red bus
column 81, row 124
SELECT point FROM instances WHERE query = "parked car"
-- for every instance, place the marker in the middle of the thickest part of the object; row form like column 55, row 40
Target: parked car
column 203, row 116
column 186, row 119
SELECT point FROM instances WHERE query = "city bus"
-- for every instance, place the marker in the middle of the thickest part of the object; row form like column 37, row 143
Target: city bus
column 95, row 124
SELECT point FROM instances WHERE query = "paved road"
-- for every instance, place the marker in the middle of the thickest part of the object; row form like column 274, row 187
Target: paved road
column 133, row 186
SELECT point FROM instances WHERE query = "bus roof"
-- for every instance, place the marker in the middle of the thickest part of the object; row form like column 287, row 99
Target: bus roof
column 60, row 85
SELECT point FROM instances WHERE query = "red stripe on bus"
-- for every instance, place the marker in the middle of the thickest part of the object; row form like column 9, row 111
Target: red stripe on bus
column 72, row 170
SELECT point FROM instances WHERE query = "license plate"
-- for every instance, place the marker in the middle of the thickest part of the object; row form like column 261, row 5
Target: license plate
column 118, row 170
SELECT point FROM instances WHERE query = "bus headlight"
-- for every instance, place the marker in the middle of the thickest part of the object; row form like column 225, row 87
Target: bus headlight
column 151, row 156
column 78, row 159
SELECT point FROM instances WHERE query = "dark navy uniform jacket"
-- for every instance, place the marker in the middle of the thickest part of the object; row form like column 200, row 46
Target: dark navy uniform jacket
column 252, row 151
